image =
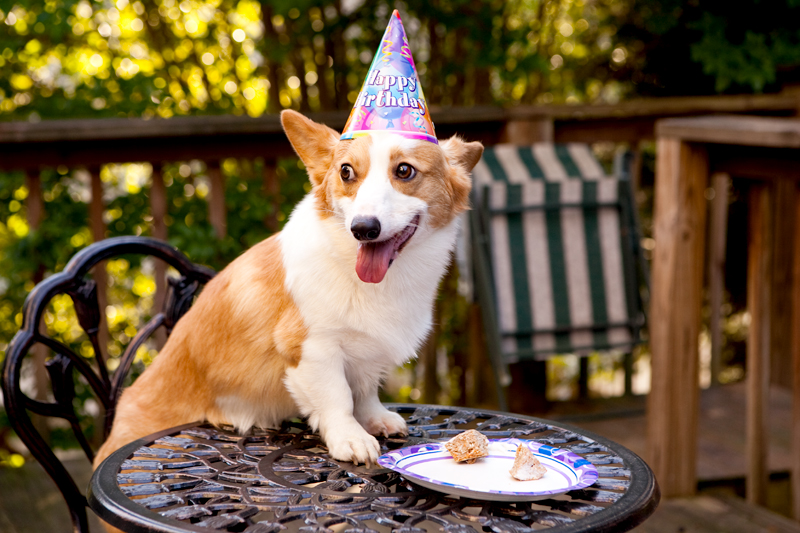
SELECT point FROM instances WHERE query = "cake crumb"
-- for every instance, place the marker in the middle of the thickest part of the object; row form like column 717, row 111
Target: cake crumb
column 468, row 446
column 526, row 466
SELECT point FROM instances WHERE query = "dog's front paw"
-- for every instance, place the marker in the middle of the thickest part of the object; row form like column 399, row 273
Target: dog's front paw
column 384, row 423
column 353, row 444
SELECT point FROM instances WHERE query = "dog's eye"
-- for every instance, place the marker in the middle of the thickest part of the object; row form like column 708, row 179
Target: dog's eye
column 346, row 172
column 405, row 171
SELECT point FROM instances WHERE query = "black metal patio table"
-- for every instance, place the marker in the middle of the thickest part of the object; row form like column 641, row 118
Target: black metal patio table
column 203, row 478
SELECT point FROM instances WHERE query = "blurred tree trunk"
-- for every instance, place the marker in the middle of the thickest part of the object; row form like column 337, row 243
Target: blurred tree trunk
column 324, row 76
column 274, row 71
column 483, row 86
column 459, row 91
column 298, row 63
column 339, row 58
column 434, row 72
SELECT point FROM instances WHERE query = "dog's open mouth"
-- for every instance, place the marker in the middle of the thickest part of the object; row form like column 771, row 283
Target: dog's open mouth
column 375, row 258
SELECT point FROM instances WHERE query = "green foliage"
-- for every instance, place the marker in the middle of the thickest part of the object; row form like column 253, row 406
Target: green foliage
column 68, row 58
column 679, row 47
column 752, row 62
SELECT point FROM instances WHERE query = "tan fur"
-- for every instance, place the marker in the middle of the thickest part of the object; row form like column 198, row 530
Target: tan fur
column 444, row 187
column 354, row 153
column 445, row 168
column 238, row 338
column 245, row 331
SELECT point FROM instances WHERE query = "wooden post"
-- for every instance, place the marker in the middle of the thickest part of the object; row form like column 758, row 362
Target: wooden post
column 158, row 210
column 679, row 232
column 717, row 237
column 636, row 169
column 39, row 353
column 479, row 376
column 34, row 203
column 780, row 351
column 271, row 188
column 795, row 477
column 528, row 131
column 759, row 287
column 98, row 229
column 217, row 213
column 428, row 356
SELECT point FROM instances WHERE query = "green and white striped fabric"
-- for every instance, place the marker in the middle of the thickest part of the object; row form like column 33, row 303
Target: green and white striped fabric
column 562, row 268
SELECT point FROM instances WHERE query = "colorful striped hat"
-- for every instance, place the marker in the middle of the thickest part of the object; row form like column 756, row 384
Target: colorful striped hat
column 391, row 97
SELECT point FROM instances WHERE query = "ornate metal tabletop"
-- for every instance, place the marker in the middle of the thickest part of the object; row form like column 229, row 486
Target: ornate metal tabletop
column 202, row 478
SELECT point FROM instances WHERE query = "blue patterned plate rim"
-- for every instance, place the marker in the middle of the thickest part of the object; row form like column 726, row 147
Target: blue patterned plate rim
column 417, row 463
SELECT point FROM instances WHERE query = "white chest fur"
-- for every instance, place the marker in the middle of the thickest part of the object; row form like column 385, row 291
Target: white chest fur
column 392, row 317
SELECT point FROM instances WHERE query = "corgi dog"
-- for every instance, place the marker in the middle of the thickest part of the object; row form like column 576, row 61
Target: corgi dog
column 311, row 320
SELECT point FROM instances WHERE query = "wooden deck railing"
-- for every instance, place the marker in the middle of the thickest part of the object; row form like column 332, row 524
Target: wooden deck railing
column 91, row 143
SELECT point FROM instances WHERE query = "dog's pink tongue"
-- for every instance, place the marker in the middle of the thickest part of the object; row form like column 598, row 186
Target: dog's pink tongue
column 373, row 260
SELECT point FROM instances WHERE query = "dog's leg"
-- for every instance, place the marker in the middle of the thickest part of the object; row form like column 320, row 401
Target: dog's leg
column 319, row 387
column 374, row 417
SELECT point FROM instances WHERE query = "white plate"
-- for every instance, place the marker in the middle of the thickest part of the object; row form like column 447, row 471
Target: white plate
column 432, row 466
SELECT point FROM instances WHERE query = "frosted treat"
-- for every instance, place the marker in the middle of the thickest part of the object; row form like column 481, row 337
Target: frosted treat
column 526, row 466
column 468, row 446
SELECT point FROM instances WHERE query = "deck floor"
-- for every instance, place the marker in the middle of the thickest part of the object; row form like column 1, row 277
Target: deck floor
column 715, row 513
column 721, row 431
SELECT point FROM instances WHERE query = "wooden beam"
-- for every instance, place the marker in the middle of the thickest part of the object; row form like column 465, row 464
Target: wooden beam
column 217, row 212
column 85, row 130
column 759, row 288
column 158, row 203
column 679, row 232
column 795, row 477
column 271, row 189
column 101, row 151
column 34, row 204
column 97, row 226
column 717, row 237
column 666, row 106
column 159, row 207
column 735, row 130
column 616, row 129
column 428, row 355
column 83, row 142
column 96, row 207
column 528, row 131
column 782, row 213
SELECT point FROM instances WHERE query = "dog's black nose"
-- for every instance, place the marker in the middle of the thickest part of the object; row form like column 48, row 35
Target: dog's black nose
column 365, row 228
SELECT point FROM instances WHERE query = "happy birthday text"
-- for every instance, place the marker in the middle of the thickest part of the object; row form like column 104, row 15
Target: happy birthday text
column 384, row 98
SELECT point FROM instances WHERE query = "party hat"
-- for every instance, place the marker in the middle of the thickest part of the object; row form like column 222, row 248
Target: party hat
column 391, row 97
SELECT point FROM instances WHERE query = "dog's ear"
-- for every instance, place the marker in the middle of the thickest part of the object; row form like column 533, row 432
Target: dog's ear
column 313, row 142
column 462, row 157
column 464, row 154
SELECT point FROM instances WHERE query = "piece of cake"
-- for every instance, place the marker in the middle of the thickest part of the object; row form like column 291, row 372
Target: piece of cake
column 526, row 466
column 468, row 446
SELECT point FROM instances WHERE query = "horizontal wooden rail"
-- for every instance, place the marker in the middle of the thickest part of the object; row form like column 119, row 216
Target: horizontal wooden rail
column 88, row 142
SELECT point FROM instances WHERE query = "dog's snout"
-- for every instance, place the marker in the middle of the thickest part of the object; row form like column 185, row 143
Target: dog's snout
column 366, row 228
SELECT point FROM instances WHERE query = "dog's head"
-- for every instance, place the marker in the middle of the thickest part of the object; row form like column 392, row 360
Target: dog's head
column 383, row 187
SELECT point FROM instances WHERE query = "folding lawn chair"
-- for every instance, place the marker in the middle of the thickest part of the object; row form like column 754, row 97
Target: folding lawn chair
column 557, row 262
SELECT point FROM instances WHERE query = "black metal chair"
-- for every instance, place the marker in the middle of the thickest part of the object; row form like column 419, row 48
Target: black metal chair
column 61, row 368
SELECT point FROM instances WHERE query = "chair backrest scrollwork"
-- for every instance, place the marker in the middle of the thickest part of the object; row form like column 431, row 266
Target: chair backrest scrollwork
column 61, row 368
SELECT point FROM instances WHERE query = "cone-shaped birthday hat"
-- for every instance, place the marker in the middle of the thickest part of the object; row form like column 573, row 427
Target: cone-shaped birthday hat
column 391, row 98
